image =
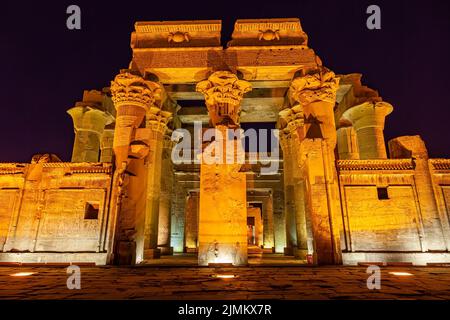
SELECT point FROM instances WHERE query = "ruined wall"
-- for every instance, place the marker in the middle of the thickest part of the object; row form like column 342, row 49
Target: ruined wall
column 54, row 212
column 382, row 225
column 440, row 173
column 383, row 216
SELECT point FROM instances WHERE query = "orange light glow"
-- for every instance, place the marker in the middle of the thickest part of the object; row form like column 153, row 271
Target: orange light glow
column 224, row 276
column 22, row 274
column 401, row 274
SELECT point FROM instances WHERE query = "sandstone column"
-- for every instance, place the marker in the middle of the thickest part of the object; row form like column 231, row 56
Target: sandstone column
column 223, row 203
column 106, row 145
column 279, row 220
column 89, row 123
column 347, row 143
column 137, row 145
column 289, row 198
column 368, row 120
column 165, row 201
column 269, row 238
column 291, row 122
column 319, row 224
column 157, row 124
column 191, row 222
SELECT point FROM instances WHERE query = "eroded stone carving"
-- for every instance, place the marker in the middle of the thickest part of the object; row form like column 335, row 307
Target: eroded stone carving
column 128, row 88
column 178, row 37
column 269, row 35
column 320, row 86
column 223, row 95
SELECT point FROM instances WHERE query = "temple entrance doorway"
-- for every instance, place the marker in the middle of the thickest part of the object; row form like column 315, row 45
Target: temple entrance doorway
column 255, row 228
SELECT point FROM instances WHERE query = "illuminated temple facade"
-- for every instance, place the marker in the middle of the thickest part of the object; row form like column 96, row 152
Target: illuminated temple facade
column 340, row 194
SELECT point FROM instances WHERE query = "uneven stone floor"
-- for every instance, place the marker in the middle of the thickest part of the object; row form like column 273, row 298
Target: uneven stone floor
column 252, row 283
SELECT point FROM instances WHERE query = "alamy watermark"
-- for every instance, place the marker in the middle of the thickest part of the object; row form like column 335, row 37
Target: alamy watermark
column 374, row 280
column 374, row 20
column 230, row 146
column 74, row 279
column 73, row 21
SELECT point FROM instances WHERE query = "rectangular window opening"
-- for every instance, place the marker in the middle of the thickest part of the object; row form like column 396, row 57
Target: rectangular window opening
column 91, row 211
column 383, row 194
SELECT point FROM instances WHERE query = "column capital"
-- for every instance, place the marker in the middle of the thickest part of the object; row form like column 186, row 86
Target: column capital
column 131, row 89
column 157, row 119
column 368, row 114
column 368, row 120
column 290, row 121
column 87, row 117
column 223, row 93
column 291, row 118
column 320, row 86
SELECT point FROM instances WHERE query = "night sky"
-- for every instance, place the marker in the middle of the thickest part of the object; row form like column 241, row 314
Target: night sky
column 46, row 67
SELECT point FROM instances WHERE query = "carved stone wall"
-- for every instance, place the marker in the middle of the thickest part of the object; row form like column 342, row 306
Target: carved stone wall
column 385, row 217
column 55, row 207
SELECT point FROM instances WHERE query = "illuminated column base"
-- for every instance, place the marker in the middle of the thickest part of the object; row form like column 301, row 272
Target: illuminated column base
column 269, row 242
column 223, row 215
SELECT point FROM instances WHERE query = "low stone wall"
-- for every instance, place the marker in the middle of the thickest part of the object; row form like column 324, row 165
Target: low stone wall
column 55, row 212
column 386, row 220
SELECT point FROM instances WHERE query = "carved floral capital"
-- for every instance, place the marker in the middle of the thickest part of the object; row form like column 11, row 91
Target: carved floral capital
column 321, row 86
column 130, row 89
column 223, row 93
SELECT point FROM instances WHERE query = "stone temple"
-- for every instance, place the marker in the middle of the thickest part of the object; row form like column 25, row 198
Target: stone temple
column 339, row 194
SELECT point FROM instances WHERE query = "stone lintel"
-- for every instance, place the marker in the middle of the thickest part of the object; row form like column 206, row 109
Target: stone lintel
column 176, row 34
column 191, row 65
column 263, row 32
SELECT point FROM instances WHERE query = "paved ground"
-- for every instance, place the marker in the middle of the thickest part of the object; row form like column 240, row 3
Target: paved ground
column 251, row 283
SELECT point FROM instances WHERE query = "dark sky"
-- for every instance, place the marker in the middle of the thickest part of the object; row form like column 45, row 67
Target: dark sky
column 46, row 67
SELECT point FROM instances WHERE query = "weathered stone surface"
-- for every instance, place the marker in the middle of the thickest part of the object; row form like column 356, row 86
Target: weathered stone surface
column 222, row 234
column 55, row 207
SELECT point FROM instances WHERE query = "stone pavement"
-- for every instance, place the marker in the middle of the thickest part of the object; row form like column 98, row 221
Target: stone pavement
column 196, row 283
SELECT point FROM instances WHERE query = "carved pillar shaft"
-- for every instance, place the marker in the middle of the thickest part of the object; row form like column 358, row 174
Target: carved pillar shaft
column 154, row 166
column 191, row 222
column 279, row 220
column 315, row 175
column 165, row 198
column 138, row 149
column 289, row 197
column 223, row 197
column 347, row 143
column 106, row 146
